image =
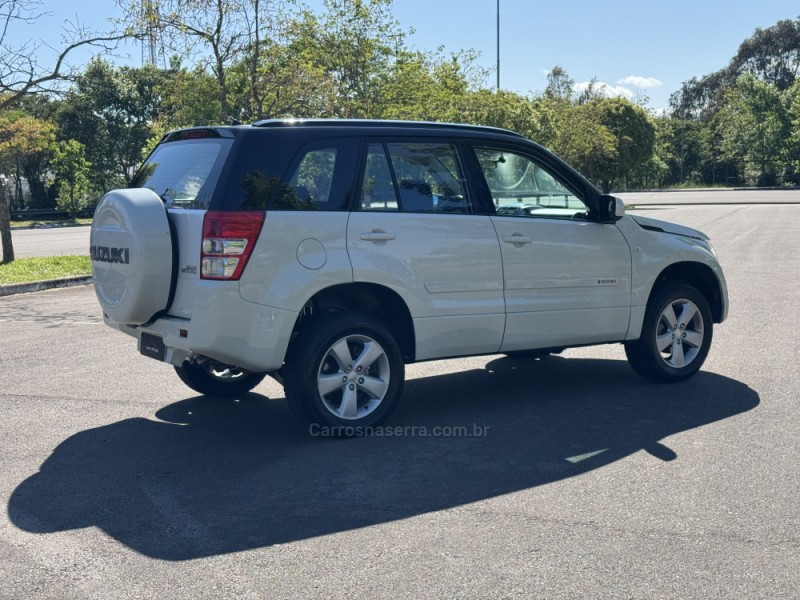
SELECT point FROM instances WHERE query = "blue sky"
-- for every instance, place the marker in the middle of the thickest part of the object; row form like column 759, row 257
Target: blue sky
column 633, row 47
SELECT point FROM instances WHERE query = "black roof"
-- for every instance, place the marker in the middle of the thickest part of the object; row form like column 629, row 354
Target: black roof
column 375, row 123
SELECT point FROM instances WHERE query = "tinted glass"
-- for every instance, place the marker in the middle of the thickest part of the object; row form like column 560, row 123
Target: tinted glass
column 312, row 182
column 414, row 177
column 184, row 173
column 314, row 178
column 377, row 189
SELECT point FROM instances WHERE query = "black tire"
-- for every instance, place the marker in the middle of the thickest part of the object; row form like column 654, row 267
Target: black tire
column 215, row 379
column 356, row 398
column 684, row 343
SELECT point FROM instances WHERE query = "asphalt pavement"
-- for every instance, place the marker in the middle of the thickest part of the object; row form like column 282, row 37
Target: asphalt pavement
column 579, row 479
column 712, row 196
column 52, row 241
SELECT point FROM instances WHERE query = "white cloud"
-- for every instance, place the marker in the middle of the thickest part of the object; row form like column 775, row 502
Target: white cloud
column 609, row 91
column 641, row 82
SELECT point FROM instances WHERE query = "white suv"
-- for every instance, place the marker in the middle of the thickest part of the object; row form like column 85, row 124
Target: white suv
column 331, row 253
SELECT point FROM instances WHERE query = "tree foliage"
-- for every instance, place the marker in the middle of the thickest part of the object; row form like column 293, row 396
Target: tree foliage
column 260, row 59
column 771, row 55
column 72, row 176
column 23, row 138
column 110, row 111
column 754, row 126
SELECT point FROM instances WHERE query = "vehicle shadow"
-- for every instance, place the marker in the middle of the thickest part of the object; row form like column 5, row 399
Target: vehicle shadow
column 216, row 476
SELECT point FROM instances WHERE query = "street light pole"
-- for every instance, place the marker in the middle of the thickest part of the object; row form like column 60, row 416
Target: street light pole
column 498, row 45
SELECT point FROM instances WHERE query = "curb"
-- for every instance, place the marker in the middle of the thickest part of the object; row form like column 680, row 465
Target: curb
column 38, row 286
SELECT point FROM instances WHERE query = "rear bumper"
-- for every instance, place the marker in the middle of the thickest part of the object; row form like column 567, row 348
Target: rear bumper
column 231, row 330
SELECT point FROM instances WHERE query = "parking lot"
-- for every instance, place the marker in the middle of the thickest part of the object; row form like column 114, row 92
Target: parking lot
column 568, row 477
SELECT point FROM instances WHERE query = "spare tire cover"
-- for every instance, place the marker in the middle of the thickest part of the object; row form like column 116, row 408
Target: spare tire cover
column 131, row 250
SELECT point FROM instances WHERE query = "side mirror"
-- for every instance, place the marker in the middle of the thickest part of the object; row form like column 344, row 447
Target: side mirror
column 612, row 209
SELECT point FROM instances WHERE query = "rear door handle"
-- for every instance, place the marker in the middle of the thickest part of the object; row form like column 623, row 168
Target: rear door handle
column 377, row 236
column 517, row 239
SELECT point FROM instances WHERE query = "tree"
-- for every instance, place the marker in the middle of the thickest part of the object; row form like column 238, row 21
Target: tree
column 111, row 111
column 682, row 151
column 187, row 98
column 21, row 136
column 216, row 33
column 354, row 43
column 290, row 80
column 5, row 224
column 21, row 73
column 792, row 101
column 559, row 84
column 72, row 174
column 771, row 55
column 634, row 133
column 575, row 133
column 754, row 126
column 502, row 109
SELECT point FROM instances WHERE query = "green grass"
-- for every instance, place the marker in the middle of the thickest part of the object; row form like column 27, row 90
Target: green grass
column 60, row 223
column 24, row 270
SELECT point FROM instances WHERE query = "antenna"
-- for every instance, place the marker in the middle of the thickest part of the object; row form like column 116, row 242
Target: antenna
column 150, row 44
column 498, row 45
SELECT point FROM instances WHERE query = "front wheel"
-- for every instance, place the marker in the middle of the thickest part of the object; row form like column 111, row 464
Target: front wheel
column 215, row 379
column 676, row 335
column 344, row 370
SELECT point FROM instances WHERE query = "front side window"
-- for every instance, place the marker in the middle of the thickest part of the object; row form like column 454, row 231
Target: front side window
column 414, row 177
column 521, row 187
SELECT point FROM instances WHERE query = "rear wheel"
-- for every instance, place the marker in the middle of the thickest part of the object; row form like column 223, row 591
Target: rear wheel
column 216, row 379
column 676, row 335
column 344, row 370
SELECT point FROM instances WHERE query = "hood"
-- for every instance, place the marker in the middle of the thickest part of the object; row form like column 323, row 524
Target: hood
column 667, row 227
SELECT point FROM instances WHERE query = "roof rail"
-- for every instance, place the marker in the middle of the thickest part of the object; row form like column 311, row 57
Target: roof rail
column 376, row 123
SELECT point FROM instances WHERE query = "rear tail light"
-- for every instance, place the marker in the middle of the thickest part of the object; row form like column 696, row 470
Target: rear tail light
column 228, row 241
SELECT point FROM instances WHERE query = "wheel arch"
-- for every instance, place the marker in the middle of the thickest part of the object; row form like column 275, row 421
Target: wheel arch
column 698, row 275
column 380, row 302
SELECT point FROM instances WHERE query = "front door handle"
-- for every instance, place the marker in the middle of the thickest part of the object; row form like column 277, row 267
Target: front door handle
column 377, row 236
column 517, row 239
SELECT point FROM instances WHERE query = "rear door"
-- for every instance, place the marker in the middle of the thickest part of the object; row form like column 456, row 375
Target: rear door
column 414, row 229
column 184, row 171
column 566, row 277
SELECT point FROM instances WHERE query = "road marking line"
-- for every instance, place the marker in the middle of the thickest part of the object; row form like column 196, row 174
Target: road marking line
column 578, row 458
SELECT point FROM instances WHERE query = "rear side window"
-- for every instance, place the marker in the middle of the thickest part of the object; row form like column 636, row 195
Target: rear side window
column 310, row 185
column 317, row 178
column 184, row 173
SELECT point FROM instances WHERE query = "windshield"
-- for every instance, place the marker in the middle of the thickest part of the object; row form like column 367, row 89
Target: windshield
column 184, row 172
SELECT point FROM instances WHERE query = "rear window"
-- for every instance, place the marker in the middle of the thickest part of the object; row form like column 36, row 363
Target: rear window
column 184, row 173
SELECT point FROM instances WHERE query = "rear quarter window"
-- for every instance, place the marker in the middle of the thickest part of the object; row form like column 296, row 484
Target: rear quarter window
column 316, row 177
column 184, row 173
